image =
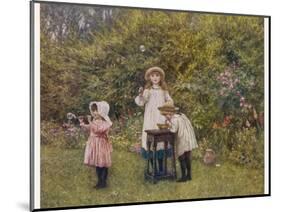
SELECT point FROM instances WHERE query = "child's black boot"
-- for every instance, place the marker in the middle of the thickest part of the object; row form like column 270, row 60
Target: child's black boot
column 183, row 170
column 188, row 166
column 99, row 175
column 103, row 177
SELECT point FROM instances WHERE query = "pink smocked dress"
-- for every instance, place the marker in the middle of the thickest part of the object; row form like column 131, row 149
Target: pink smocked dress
column 98, row 148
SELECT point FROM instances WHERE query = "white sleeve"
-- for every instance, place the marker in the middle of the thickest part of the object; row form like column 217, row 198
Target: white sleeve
column 174, row 125
column 168, row 97
column 142, row 100
column 139, row 100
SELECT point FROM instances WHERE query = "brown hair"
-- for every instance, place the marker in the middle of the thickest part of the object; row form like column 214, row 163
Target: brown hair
column 94, row 107
column 162, row 82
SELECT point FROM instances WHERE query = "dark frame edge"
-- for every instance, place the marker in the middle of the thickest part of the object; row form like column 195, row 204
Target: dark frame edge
column 269, row 105
column 31, row 107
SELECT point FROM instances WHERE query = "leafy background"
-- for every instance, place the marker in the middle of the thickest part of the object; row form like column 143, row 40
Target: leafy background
column 214, row 70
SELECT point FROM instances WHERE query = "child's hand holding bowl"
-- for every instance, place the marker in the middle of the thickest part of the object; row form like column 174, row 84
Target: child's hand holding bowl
column 81, row 119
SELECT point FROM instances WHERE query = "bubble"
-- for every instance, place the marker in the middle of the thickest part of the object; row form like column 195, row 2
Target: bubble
column 70, row 116
column 142, row 48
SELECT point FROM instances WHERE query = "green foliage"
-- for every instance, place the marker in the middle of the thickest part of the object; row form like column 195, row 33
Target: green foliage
column 220, row 140
column 193, row 49
column 107, row 62
column 126, row 132
column 247, row 149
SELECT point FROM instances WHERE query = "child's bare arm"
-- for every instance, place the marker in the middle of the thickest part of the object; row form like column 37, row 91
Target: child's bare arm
column 83, row 124
column 89, row 119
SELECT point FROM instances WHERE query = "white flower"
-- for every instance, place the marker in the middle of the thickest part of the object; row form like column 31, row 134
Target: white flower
column 142, row 48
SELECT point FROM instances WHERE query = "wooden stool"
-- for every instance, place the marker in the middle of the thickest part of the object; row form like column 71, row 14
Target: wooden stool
column 153, row 138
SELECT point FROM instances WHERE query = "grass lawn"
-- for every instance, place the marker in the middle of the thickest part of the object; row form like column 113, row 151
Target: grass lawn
column 65, row 181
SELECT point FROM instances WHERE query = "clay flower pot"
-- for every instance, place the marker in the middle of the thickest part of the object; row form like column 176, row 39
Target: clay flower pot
column 209, row 157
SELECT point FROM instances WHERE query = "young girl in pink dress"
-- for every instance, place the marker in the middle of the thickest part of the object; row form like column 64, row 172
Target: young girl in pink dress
column 98, row 148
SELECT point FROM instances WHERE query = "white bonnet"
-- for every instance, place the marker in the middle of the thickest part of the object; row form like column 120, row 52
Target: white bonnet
column 103, row 110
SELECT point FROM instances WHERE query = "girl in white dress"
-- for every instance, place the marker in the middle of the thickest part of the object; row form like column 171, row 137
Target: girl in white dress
column 153, row 96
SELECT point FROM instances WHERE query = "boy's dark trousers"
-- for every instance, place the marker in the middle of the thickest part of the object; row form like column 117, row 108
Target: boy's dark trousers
column 185, row 165
column 102, row 173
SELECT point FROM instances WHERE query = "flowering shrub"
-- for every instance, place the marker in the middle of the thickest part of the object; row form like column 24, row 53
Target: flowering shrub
column 73, row 135
column 230, row 91
column 64, row 136
column 213, row 65
column 51, row 133
column 247, row 149
column 127, row 134
column 228, row 81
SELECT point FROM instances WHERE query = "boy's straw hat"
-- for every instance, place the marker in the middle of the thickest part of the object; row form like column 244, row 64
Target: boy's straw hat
column 154, row 69
column 168, row 107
